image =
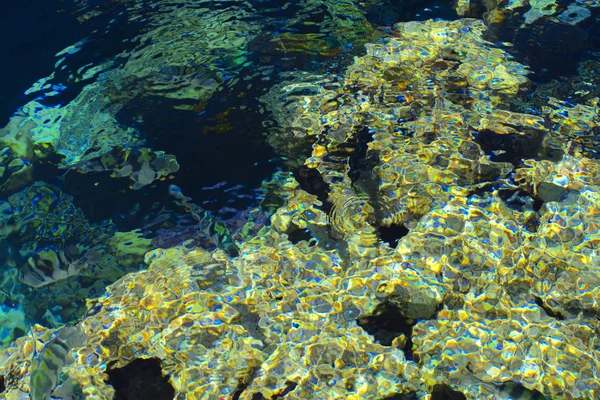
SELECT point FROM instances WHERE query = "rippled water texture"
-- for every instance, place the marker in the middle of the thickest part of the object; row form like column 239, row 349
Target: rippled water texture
column 307, row 200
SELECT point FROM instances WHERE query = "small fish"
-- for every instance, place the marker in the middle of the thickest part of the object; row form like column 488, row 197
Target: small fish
column 49, row 265
column 216, row 186
column 226, row 210
column 47, row 364
column 207, row 222
column 236, row 187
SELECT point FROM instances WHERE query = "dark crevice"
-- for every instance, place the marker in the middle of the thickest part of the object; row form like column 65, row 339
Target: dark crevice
column 289, row 387
column 532, row 224
column 298, row 235
column 520, row 200
column 271, row 200
column 477, row 9
column 387, row 323
column 2, row 384
column 441, row 391
column 362, row 162
column 141, row 379
column 392, row 234
column 514, row 390
column 359, row 160
column 548, row 310
column 311, row 181
column 258, row 396
column 402, row 396
column 576, row 307
column 453, row 302
column 511, row 148
column 243, row 383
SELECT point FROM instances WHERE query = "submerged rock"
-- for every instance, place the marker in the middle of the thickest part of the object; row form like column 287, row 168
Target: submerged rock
column 488, row 305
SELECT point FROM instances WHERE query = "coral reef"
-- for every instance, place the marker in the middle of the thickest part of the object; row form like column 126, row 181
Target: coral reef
column 492, row 288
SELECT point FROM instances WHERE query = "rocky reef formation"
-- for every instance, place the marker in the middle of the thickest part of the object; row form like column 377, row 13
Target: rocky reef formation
column 489, row 288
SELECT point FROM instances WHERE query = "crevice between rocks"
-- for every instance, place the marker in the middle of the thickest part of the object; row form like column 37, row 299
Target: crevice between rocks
column 141, row 379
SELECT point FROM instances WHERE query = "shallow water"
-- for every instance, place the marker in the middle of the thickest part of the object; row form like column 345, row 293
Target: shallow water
column 134, row 127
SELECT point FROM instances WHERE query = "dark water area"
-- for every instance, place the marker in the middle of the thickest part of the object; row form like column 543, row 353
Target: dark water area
column 33, row 32
column 553, row 49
